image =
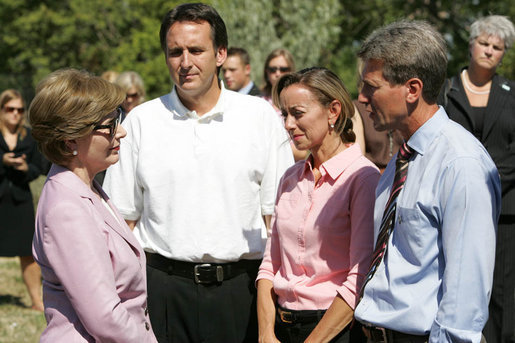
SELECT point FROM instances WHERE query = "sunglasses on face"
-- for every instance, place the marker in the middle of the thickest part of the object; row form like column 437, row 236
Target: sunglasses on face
column 275, row 69
column 132, row 95
column 113, row 125
column 10, row 109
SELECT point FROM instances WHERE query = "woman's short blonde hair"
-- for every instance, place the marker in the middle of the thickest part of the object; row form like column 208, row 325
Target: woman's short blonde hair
column 5, row 97
column 129, row 79
column 109, row 75
column 67, row 104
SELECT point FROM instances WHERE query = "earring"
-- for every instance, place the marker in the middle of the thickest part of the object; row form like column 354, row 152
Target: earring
column 332, row 126
column 75, row 152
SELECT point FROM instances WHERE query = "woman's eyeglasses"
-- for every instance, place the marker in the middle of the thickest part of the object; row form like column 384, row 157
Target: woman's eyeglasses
column 113, row 125
column 10, row 109
column 275, row 69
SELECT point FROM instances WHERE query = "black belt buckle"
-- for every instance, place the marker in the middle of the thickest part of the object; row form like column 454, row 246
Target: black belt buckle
column 219, row 272
column 286, row 317
column 378, row 335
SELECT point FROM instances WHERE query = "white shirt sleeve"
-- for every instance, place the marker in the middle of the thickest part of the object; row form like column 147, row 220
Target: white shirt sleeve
column 120, row 182
column 280, row 158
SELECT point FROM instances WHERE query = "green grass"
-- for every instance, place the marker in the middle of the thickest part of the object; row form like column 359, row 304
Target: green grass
column 18, row 323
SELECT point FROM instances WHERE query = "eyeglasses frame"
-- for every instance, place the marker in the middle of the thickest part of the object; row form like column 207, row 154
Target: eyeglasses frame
column 113, row 126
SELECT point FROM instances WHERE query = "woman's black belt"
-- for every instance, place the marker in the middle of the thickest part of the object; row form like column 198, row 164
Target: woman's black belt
column 294, row 317
column 202, row 273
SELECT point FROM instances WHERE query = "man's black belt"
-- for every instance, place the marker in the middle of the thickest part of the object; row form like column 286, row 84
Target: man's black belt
column 202, row 273
column 381, row 335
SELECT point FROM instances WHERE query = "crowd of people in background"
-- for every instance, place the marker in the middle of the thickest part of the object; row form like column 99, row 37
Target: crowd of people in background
column 227, row 212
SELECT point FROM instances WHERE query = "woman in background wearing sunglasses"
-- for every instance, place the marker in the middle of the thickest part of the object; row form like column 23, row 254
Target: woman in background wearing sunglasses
column 133, row 85
column 20, row 163
column 277, row 63
column 94, row 287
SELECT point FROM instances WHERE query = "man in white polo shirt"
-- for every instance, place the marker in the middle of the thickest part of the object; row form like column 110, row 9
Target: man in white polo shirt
column 197, row 176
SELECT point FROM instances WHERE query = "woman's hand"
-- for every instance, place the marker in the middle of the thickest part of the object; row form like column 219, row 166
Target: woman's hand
column 18, row 163
column 269, row 337
column 336, row 318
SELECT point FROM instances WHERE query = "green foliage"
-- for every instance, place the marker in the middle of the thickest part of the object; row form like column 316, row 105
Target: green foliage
column 308, row 29
column 41, row 36
column 95, row 35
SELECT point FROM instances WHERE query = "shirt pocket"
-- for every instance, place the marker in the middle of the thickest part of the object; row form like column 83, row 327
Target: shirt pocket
column 410, row 233
column 287, row 207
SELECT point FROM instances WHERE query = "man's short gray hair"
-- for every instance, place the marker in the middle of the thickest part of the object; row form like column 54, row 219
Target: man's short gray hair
column 409, row 49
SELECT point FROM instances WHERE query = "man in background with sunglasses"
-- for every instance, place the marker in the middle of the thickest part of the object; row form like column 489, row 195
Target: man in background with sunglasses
column 198, row 173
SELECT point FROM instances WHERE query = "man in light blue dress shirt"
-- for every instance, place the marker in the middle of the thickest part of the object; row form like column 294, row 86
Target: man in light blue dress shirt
column 434, row 282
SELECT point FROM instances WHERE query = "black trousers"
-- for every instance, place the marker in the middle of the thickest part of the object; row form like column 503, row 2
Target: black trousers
column 500, row 327
column 182, row 311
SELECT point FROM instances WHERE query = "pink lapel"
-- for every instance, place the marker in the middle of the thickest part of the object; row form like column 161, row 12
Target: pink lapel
column 72, row 181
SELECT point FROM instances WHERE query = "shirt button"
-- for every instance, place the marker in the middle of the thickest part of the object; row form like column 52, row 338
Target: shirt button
column 147, row 326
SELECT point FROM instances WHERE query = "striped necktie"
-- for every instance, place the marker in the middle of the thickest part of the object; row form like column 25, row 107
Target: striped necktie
column 388, row 221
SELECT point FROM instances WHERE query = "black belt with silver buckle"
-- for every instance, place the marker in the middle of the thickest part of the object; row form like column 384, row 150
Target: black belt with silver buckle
column 202, row 273
column 382, row 335
column 294, row 317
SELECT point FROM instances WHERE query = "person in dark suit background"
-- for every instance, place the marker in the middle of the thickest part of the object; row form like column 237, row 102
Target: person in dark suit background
column 484, row 104
column 236, row 70
column 21, row 163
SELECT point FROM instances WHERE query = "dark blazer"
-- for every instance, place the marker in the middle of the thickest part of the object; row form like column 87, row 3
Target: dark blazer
column 498, row 134
column 15, row 182
column 254, row 91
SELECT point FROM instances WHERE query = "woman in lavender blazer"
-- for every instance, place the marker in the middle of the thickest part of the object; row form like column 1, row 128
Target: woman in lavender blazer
column 94, row 280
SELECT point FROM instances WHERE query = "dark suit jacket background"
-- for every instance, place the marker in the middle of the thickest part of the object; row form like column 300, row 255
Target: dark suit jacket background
column 13, row 182
column 254, row 91
column 498, row 134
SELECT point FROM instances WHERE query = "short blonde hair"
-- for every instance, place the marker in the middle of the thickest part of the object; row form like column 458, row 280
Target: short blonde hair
column 5, row 97
column 109, row 75
column 67, row 104
column 129, row 79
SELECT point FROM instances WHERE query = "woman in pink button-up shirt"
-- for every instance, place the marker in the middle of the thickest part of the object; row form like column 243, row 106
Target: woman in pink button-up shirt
column 322, row 234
